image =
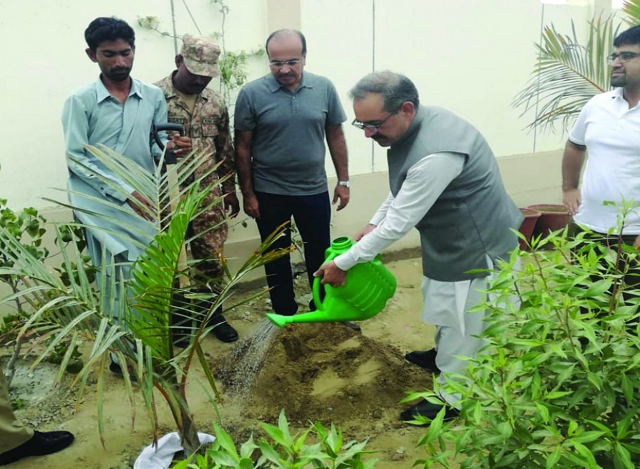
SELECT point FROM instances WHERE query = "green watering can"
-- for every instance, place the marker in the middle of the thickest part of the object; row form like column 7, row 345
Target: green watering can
column 367, row 289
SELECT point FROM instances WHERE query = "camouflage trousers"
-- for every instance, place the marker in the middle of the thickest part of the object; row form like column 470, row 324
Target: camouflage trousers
column 209, row 231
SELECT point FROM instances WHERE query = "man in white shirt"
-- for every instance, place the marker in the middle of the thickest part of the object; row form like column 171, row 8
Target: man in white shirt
column 445, row 182
column 609, row 128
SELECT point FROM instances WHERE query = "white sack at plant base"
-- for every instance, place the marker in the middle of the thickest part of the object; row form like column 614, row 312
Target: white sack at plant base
column 160, row 456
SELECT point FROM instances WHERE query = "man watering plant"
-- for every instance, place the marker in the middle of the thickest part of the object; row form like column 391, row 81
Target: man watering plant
column 204, row 116
column 444, row 182
column 118, row 112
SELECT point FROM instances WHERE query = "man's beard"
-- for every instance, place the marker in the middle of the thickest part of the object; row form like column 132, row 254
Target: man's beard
column 119, row 74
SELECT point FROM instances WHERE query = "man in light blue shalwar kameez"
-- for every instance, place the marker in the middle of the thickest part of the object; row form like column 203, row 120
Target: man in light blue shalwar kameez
column 119, row 112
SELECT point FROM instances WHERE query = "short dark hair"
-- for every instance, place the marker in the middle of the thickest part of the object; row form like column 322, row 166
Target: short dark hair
column 628, row 38
column 303, row 40
column 108, row 29
column 394, row 88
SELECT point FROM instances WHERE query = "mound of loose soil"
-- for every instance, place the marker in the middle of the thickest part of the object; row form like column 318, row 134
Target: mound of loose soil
column 317, row 372
column 321, row 372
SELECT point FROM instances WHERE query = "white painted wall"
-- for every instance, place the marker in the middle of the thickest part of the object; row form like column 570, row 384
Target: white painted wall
column 469, row 56
column 44, row 60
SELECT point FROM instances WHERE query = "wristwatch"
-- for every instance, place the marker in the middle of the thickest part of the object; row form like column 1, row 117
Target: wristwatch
column 343, row 183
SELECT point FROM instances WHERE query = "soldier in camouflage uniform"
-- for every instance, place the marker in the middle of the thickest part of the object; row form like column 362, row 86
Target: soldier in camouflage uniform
column 204, row 116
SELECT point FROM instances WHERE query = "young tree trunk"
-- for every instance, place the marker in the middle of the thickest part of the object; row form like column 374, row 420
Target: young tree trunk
column 10, row 370
column 189, row 434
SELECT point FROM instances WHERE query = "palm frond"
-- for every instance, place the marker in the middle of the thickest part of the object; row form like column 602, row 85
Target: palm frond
column 153, row 279
column 140, row 337
column 567, row 74
column 631, row 8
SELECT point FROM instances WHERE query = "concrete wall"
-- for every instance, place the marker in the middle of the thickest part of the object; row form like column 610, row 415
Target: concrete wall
column 468, row 56
column 44, row 57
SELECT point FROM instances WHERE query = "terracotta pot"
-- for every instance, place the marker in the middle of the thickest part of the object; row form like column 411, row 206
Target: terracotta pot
column 553, row 217
column 528, row 224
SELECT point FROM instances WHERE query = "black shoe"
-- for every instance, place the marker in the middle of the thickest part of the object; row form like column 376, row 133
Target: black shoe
column 428, row 410
column 424, row 359
column 40, row 444
column 223, row 331
column 181, row 335
column 181, row 338
column 115, row 368
column 352, row 326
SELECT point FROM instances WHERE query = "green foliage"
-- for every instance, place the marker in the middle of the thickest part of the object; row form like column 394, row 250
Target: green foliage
column 568, row 72
column 283, row 450
column 26, row 226
column 74, row 364
column 558, row 385
column 66, row 309
column 232, row 68
column 8, row 325
column 632, row 9
column 17, row 404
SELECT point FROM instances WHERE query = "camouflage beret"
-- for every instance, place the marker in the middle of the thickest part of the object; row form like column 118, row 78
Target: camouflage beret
column 200, row 55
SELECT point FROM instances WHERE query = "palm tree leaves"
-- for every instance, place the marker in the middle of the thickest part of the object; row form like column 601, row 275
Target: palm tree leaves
column 568, row 74
column 154, row 274
column 632, row 9
column 140, row 336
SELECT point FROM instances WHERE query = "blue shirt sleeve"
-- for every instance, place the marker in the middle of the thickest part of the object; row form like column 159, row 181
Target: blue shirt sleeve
column 160, row 116
column 75, row 122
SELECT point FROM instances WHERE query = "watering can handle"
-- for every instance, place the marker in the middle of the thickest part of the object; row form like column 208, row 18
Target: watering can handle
column 316, row 284
column 169, row 157
column 157, row 128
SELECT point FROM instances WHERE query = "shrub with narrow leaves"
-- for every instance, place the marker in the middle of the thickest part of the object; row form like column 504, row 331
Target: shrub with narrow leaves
column 558, row 385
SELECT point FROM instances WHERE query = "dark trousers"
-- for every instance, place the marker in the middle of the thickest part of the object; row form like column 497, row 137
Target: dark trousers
column 312, row 216
column 631, row 280
column 632, row 277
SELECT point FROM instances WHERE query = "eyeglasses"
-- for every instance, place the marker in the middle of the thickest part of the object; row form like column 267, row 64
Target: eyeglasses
column 623, row 57
column 374, row 127
column 290, row 63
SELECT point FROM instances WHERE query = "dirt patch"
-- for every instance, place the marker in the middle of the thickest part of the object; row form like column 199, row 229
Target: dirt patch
column 317, row 372
column 329, row 373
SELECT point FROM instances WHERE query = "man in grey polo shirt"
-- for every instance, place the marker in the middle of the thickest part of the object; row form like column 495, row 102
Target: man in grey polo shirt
column 281, row 121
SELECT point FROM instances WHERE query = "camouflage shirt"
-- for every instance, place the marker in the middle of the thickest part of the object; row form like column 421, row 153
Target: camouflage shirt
column 208, row 126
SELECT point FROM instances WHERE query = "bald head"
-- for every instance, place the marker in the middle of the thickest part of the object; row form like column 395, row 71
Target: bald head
column 288, row 36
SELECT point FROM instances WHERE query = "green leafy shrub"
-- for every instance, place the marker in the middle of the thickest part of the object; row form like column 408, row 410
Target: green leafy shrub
column 558, row 385
column 284, row 450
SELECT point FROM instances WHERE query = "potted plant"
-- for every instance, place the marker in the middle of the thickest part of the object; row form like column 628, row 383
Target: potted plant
column 553, row 217
column 528, row 225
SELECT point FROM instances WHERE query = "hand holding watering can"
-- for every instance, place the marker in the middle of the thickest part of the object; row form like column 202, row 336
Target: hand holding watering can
column 364, row 293
column 330, row 272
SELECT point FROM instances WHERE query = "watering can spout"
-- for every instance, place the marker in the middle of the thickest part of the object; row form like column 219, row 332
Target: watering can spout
column 313, row 316
column 279, row 320
column 367, row 288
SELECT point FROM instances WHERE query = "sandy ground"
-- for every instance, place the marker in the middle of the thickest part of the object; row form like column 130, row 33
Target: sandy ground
column 324, row 372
